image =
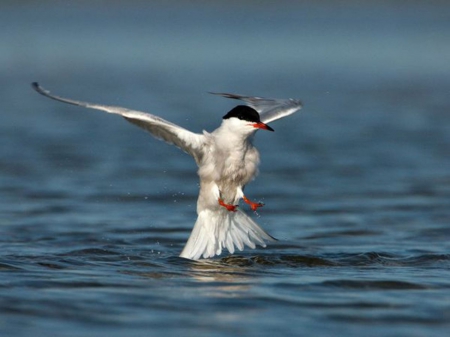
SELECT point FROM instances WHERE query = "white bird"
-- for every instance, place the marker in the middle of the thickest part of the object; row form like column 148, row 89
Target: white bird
column 227, row 161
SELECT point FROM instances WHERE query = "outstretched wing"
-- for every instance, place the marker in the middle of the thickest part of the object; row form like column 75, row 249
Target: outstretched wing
column 269, row 109
column 188, row 141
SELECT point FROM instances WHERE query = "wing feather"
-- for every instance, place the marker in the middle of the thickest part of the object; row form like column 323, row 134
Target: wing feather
column 270, row 109
column 188, row 141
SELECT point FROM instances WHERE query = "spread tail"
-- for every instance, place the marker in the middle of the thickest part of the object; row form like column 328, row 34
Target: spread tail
column 215, row 231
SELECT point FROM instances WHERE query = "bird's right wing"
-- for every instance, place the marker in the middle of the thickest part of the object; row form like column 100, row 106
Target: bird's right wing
column 269, row 109
column 188, row 141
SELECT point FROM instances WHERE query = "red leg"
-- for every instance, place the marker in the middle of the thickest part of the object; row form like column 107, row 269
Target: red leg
column 231, row 208
column 253, row 205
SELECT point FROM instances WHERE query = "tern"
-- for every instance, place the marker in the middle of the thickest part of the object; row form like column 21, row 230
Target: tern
column 227, row 161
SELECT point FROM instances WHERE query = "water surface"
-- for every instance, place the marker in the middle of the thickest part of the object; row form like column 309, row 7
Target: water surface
column 94, row 212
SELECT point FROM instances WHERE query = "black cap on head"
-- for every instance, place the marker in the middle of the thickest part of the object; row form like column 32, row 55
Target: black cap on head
column 245, row 113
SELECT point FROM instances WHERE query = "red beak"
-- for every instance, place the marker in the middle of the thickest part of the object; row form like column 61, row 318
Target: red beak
column 263, row 126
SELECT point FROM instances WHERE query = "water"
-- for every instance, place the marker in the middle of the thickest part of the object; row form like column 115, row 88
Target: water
column 94, row 212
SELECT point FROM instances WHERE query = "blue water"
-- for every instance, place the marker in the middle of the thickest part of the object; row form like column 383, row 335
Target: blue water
column 94, row 211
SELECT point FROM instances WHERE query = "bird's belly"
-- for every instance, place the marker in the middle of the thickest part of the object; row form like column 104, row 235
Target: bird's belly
column 237, row 174
column 229, row 172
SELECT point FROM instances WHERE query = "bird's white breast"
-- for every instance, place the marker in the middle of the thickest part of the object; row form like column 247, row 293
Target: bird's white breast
column 229, row 163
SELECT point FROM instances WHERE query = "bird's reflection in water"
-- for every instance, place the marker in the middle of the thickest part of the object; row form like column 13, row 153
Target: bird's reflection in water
column 230, row 269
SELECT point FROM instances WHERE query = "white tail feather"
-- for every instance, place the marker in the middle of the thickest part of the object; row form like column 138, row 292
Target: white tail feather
column 214, row 231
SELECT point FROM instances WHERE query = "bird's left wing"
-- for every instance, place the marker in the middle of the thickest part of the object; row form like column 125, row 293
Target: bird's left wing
column 269, row 109
column 188, row 141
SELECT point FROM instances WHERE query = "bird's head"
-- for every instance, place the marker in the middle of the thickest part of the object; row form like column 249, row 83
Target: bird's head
column 245, row 120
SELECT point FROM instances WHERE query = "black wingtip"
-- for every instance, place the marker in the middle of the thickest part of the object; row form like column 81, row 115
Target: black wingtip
column 39, row 89
column 224, row 94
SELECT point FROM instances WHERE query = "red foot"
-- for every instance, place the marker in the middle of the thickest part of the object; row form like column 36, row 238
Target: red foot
column 253, row 205
column 231, row 208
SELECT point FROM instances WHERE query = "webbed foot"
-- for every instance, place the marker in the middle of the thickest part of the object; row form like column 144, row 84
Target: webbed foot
column 253, row 205
column 231, row 208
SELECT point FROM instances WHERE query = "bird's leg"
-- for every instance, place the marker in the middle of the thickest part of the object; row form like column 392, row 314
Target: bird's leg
column 231, row 208
column 253, row 205
column 217, row 194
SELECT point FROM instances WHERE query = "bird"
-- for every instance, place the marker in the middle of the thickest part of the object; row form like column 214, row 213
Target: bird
column 227, row 161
